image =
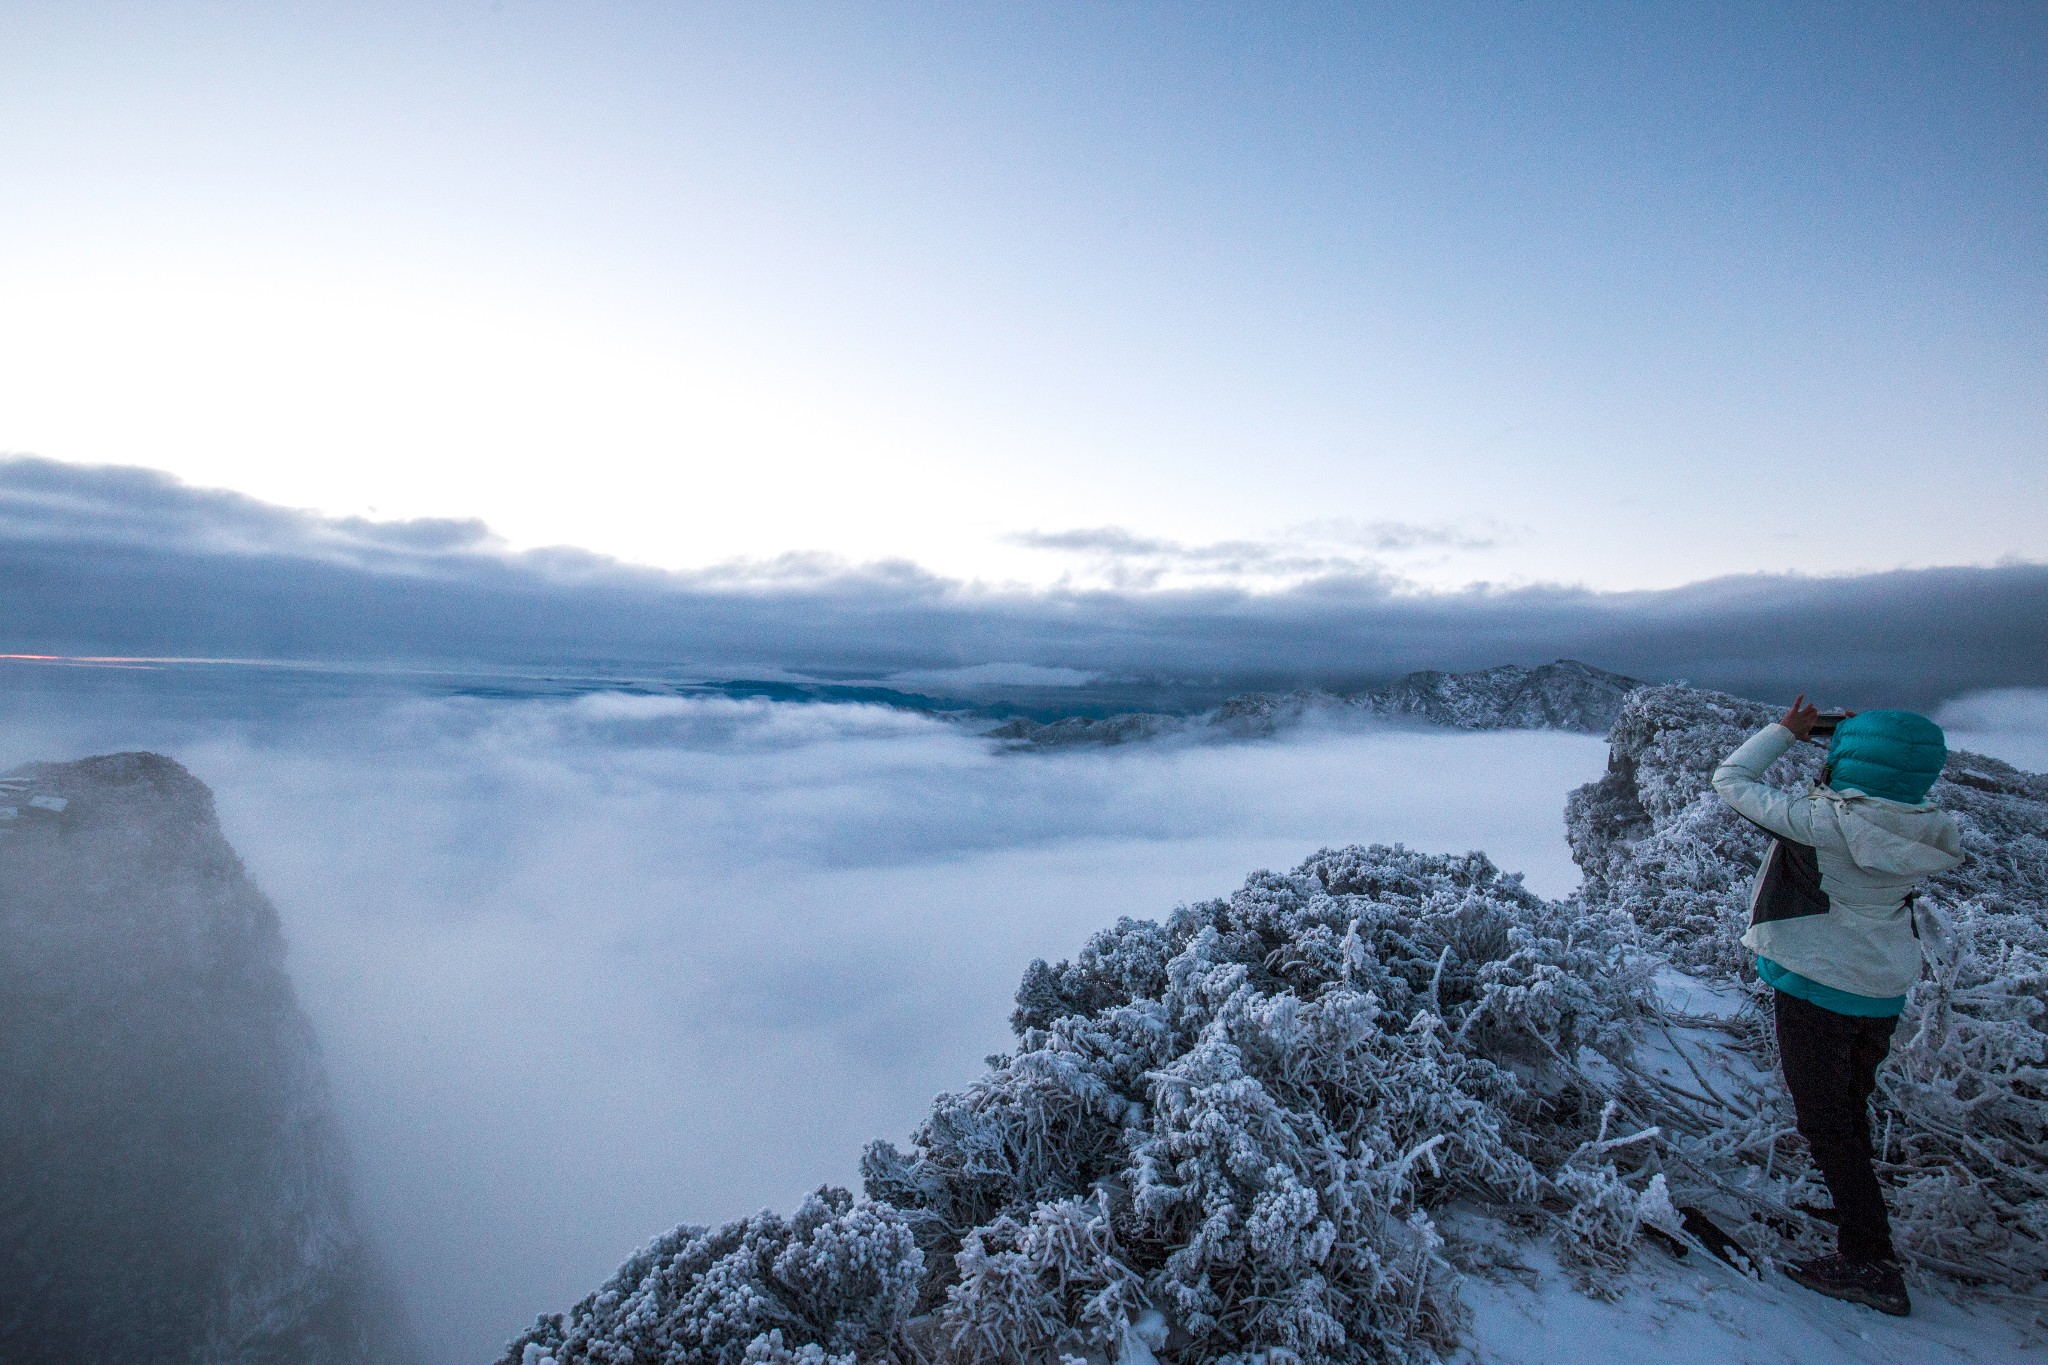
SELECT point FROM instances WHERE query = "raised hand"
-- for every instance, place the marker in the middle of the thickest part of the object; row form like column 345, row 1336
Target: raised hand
column 1800, row 717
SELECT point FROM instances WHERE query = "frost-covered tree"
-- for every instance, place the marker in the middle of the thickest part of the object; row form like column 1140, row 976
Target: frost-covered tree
column 1238, row 1122
column 828, row 1286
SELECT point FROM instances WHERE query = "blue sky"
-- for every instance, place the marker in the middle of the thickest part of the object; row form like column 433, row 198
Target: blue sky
column 1620, row 296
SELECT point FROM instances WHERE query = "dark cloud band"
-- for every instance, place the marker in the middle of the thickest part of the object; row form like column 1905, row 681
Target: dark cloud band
column 127, row 561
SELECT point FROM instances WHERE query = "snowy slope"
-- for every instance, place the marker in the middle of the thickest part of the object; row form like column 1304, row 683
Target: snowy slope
column 1527, row 1311
column 1962, row 1107
column 1702, row 1313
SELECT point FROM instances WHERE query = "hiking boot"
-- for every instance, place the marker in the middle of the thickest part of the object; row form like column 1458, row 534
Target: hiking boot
column 1876, row 1283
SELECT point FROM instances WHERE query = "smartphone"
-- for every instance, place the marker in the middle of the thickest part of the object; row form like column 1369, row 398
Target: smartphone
column 1826, row 722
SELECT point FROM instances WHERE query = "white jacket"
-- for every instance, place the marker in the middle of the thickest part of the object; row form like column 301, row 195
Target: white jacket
column 1871, row 853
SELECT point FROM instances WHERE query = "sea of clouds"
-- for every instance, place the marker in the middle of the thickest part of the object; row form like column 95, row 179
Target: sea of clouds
column 584, row 969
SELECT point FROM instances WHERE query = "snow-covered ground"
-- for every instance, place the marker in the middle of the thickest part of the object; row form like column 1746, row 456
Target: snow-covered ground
column 1703, row 1312
column 1699, row 1310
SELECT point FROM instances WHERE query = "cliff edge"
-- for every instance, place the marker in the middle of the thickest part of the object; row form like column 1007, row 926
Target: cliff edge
column 173, row 1185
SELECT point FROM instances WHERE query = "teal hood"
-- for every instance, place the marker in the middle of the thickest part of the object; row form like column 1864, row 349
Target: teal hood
column 1895, row 755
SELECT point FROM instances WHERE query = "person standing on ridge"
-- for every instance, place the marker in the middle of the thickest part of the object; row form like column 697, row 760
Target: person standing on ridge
column 1831, row 923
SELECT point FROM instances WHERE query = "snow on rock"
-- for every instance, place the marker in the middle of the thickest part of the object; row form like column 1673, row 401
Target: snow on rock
column 172, row 1183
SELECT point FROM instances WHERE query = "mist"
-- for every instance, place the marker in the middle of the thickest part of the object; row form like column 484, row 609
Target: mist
column 587, row 969
column 2006, row 722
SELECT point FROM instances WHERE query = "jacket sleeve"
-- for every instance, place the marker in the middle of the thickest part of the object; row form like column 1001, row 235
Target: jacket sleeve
column 1739, row 780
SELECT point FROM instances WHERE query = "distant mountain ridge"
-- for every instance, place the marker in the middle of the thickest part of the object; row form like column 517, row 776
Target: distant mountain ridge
column 1565, row 695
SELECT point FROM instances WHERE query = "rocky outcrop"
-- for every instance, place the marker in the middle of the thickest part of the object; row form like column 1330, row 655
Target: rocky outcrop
column 1566, row 695
column 173, row 1184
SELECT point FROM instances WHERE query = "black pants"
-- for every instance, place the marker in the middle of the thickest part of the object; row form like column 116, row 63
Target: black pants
column 1831, row 1065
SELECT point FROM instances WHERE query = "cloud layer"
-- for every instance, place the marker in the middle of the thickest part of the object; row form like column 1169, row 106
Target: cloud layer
column 1331, row 549
column 127, row 561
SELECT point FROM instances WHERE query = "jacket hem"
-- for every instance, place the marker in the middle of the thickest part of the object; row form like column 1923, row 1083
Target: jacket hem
column 1828, row 997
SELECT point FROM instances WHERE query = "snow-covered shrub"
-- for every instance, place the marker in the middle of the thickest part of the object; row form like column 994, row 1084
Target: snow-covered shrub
column 1963, row 1119
column 1058, row 1278
column 1608, row 1202
column 1962, row 1112
column 1254, row 1106
column 832, row 1284
column 1224, row 1135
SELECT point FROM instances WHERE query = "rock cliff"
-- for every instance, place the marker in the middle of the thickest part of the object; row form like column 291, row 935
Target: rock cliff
column 173, row 1186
